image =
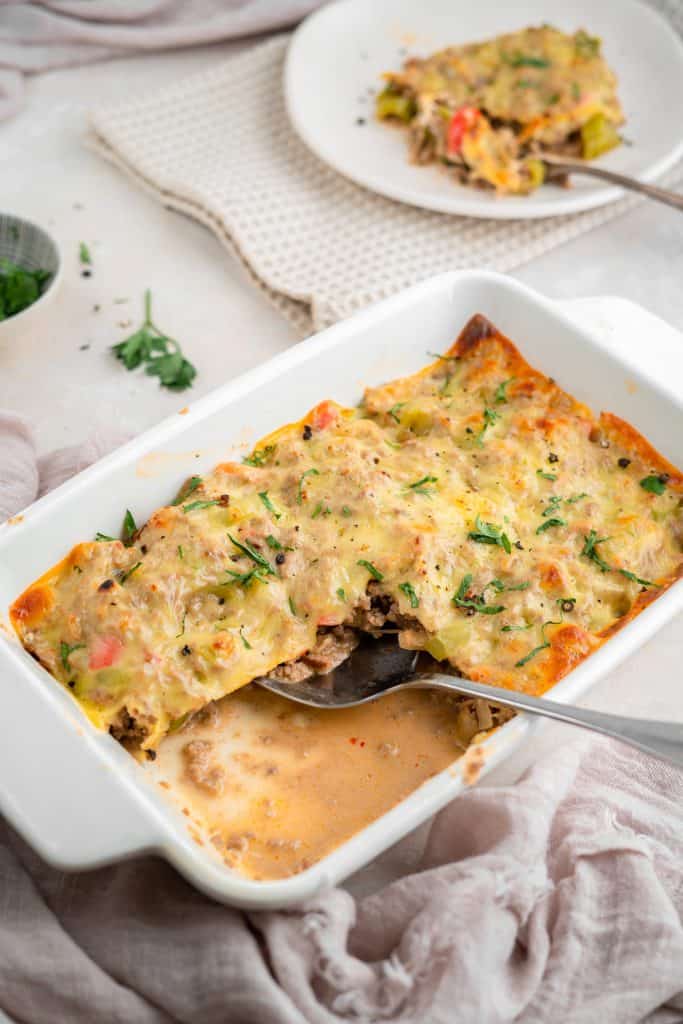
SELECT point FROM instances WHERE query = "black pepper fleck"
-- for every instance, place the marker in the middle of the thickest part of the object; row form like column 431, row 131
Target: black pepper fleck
column 151, row 755
column 279, row 558
column 86, row 273
column 221, row 600
column 143, row 549
column 567, row 606
column 553, row 457
column 623, row 463
column 360, row 120
column 106, row 585
column 663, row 478
column 518, row 545
column 186, row 650
column 71, row 683
column 308, row 432
column 84, row 348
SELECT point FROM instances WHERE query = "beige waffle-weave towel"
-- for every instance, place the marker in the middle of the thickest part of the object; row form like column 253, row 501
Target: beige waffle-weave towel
column 218, row 146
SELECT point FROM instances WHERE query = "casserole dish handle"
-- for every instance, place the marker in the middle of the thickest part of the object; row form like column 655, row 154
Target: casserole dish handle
column 58, row 790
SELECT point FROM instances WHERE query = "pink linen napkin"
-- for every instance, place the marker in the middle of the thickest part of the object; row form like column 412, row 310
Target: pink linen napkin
column 41, row 35
column 558, row 899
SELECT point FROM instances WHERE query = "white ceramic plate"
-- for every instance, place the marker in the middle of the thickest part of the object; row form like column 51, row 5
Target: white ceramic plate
column 337, row 55
column 71, row 790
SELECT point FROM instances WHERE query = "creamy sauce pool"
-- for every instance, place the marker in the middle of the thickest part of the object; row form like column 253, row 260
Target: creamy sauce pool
column 275, row 787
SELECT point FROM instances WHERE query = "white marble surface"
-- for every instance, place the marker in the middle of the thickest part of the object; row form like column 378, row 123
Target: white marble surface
column 225, row 324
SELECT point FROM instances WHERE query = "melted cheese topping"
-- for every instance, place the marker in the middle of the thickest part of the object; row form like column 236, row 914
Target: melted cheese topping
column 506, row 526
column 535, row 87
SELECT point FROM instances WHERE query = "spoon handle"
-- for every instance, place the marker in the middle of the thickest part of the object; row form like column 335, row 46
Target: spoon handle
column 662, row 195
column 663, row 739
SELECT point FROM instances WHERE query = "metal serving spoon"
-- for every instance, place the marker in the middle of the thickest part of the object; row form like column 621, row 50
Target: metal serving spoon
column 377, row 667
column 565, row 165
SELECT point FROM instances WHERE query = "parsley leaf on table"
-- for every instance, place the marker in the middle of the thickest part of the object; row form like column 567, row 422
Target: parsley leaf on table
column 162, row 356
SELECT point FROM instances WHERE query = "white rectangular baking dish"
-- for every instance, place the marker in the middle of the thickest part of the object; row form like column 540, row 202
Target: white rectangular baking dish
column 73, row 792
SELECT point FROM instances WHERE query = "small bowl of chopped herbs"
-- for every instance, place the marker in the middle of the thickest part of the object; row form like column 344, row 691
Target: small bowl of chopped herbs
column 29, row 270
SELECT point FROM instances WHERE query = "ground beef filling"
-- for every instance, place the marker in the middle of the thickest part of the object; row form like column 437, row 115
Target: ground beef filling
column 201, row 769
column 128, row 730
column 376, row 613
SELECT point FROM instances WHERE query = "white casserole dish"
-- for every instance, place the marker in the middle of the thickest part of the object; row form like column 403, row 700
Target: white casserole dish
column 74, row 794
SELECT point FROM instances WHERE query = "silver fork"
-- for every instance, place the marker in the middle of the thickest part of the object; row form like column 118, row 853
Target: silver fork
column 565, row 165
column 379, row 667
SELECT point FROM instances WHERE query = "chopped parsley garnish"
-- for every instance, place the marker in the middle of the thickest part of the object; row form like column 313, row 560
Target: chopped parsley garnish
column 566, row 603
column 541, row 647
column 589, row 550
column 246, row 549
column 182, row 626
column 260, row 456
column 490, row 417
column 181, row 553
column 192, row 484
column 523, row 60
column 65, row 651
column 292, row 606
column 317, row 510
column 273, row 543
column 346, row 511
column 245, row 578
column 500, row 587
column 409, row 591
column 162, row 356
column 500, row 394
column 590, row 544
column 194, row 505
column 551, row 508
column 636, row 579
column 420, row 486
column 553, row 521
column 341, row 594
column 103, row 537
column 489, row 533
column 263, row 495
column 586, row 46
column 126, row 575
column 129, row 528
column 461, row 600
column 655, row 484
column 576, row 91
column 300, row 493
column 393, row 412
column 577, row 497
column 84, row 254
column 516, row 629
column 374, row 572
column 19, row 287
column 546, row 476
column 244, row 640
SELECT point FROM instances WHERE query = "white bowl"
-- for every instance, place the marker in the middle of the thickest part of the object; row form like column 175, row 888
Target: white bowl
column 32, row 248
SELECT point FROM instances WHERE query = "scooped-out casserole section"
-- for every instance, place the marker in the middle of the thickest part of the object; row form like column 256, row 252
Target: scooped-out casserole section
column 475, row 508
